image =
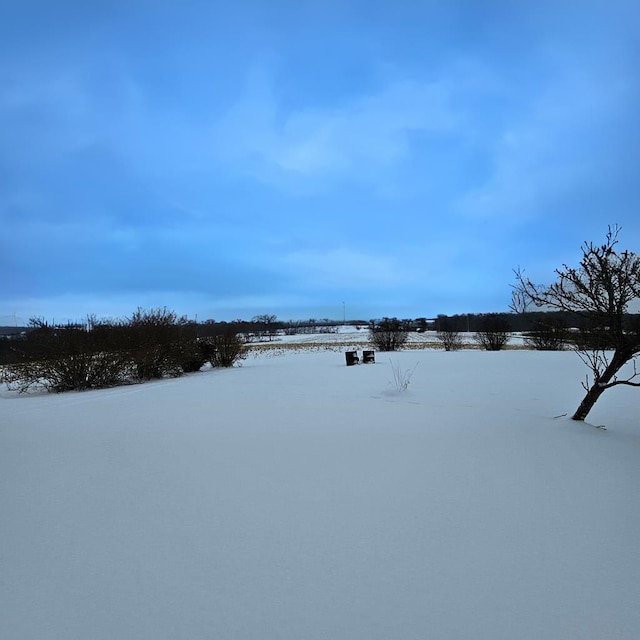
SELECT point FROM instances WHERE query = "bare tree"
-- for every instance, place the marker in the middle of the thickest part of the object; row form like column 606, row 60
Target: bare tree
column 599, row 290
column 269, row 322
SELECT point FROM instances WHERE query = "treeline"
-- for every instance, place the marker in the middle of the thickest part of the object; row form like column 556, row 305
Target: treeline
column 544, row 331
column 151, row 344
column 523, row 322
column 266, row 327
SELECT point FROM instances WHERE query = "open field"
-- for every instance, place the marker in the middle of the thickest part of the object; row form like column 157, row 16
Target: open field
column 348, row 338
column 295, row 498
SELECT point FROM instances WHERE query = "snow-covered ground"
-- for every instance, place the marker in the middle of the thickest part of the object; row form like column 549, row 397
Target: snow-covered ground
column 358, row 338
column 295, row 498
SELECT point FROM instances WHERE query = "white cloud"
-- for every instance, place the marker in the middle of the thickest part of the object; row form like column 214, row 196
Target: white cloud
column 371, row 132
column 344, row 268
column 552, row 148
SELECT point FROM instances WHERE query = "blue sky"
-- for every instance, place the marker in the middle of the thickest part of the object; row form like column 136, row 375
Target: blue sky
column 228, row 159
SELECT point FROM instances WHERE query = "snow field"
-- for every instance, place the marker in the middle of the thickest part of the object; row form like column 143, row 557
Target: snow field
column 297, row 498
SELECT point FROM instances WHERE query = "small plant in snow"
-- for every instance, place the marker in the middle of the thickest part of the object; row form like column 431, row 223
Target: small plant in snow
column 401, row 379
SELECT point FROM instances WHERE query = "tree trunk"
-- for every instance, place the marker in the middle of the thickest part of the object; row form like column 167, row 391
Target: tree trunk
column 620, row 357
column 588, row 401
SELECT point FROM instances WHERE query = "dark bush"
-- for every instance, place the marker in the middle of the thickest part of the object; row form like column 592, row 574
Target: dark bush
column 151, row 344
column 224, row 349
column 8, row 350
column 193, row 358
column 192, row 354
column 548, row 335
column 387, row 334
column 448, row 335
column 494, row 333
column 68, row 357
column 156, row 343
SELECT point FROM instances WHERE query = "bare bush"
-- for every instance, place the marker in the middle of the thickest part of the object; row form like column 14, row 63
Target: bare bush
column 156, row 343
column 448, row 335
column 494, row 333
column 548, row 335
column 68, row 357
column 151, row 344
column 224, row 349
column 450, row 340
column 387, row 334
column 190, row 349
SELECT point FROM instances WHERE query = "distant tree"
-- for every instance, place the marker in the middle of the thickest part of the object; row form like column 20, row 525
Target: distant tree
column 494, row 332
column 599, row 290
column 267, row 324
column 421, row 324
column 387, row 334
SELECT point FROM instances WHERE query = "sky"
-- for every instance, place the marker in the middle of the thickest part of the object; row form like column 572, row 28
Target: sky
column 308, row 159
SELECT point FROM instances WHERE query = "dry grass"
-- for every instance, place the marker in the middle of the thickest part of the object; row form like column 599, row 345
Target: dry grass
column 273, row 349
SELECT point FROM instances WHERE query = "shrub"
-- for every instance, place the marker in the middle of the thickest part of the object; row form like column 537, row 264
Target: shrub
column 450, row 340
column 156, row 343
column 387, row 334
column 191, row 352
column 547, row 335
column 8, row 350
column 68, row 357
column 448, row 335
column 151, row 344
column 224, row 349
column 193, row 358
column 494, row 333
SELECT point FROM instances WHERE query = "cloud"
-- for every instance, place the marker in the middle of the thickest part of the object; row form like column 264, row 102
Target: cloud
column 344, row 268
column 42, row 119
column 365, row 134
column 556, row 146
